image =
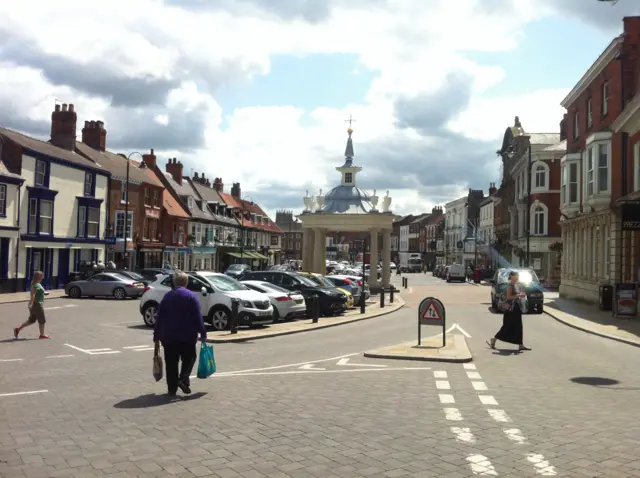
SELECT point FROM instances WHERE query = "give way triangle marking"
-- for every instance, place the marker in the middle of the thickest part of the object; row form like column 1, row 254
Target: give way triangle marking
column 345, row 362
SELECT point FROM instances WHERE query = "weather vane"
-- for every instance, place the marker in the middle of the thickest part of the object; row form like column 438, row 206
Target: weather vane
column 350, row 120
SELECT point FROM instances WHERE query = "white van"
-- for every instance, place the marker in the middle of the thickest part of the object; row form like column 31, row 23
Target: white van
column 456, row 272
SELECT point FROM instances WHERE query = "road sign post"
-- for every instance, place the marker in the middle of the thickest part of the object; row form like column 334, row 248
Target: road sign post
column 431, row 312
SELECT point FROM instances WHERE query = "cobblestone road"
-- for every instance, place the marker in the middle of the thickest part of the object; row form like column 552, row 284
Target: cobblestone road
column 311, row 406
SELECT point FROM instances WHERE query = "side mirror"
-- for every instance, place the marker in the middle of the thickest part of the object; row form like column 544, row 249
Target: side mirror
column 204, row 291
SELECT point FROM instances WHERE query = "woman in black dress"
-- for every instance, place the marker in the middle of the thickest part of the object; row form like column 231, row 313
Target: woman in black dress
column 511, row 331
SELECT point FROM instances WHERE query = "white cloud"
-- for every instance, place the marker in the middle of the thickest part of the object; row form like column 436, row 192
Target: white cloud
column 412, row 44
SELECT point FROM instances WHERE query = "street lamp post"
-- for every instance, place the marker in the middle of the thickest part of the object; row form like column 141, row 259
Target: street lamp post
column 126, row 208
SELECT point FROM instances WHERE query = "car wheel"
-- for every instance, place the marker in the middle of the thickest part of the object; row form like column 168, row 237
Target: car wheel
column 220, row 318
column 276, row 315
column 149, row 314
column 119, row 293
column 540, row 310
column 75, row 293
column 448, row 281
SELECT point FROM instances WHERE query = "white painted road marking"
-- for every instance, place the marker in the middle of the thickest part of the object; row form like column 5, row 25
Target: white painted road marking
column 33, row 392
column 480, row 465
column 474, row 375
column 443, row 385
column 60, row 307
column 541, row 465
column 446, row 398
column 460, row 329
column 276, row 367
column 311, row 372
column 479, row 386
column 440, row 374
column 499, row 415
column 60, row 356
column 93, row 351
column 11, row 360
column 137, row 346
column 453, row 414
column 515, row 435
column 463, row 435
column 311, row 366
column 469, row 366
column 488, row 400
column 144, row 350
column 345, row 361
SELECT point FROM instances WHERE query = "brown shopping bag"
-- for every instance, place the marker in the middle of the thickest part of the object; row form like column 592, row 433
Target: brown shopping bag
column 157, row 364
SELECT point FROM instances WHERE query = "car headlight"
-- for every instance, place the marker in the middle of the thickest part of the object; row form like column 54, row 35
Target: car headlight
column 247, row 304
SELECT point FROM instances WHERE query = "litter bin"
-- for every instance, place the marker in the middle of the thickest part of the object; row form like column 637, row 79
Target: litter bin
column 605, row 296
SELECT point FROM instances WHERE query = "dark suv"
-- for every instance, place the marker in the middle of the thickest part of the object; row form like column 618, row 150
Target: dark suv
column 332, row 301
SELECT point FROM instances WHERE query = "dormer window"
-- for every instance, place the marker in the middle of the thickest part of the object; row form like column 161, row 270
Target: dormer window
column 348, row 178
column 190, row 202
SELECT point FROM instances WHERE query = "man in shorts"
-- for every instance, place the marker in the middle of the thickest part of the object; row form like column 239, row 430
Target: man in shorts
column 36, row 307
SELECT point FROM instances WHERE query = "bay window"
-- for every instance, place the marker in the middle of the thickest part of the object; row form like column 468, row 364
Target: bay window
column 46, row 217
column 40, row 212
column 573, row 183
column 563, row 186
column 590, row 172
column 597, row 168
column 93, row 222
column 3, row 199
column 33, row 215
column 603, row 168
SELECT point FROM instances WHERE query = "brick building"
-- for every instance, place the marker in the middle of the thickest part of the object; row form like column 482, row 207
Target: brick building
column 433, row 229
column 597, row 170
column 292, row 235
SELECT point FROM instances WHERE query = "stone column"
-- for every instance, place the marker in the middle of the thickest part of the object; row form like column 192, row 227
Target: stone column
column 386, row 257
column 318, row 251
column 373, row 259
column 307, row 249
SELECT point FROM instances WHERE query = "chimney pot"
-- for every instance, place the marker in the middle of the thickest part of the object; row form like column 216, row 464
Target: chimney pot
column 195, row 175
column 71, row 107
column 57, row 108
column 64, row 107
column 86, row 124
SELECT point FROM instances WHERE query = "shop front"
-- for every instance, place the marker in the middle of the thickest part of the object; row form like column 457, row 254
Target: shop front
column 177, row 257
column 150, row 256
column 203, row 258
column 123, row 254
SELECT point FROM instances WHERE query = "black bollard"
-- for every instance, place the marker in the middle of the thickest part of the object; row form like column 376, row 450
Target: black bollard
column 235, row 304
column 382, row 298
column 406, row 282
column 363, row 306
column 391, row 289
column 315, row 307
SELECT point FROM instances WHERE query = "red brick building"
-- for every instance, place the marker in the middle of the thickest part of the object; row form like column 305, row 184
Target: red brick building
column 598, row 170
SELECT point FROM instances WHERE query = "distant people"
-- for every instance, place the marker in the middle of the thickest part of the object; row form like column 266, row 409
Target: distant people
column 36, row 307
column 111, row 265
column 178, row 324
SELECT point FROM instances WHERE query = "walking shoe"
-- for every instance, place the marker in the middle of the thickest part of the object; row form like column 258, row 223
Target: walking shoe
column 16, row 331
column 45, row 336
column 184, row 387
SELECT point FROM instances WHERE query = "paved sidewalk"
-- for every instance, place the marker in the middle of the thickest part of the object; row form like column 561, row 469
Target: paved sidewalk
column 589, row 318
column 298, row 326
column 24, row 296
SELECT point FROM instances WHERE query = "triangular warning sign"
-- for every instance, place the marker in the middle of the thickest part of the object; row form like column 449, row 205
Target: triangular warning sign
column 431, row 313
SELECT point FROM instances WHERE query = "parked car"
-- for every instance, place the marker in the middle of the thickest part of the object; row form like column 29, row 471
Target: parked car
column 106, row 284
column 286, row 305
column 215, row 292
column 359, row 281
column 151, row 274
column 332, row 301
column 236, row 270
column 350, row 285
column 456, row 272
column 528, row 278
column 131, row 275
column 322, row 281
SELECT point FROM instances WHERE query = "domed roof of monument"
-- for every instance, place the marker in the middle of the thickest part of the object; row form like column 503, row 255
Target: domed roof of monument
column 347, row 198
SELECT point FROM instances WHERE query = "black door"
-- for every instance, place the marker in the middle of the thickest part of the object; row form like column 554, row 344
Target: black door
column 63, row 267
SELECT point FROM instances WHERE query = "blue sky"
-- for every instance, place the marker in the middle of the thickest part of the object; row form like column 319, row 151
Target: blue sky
column 552, row 53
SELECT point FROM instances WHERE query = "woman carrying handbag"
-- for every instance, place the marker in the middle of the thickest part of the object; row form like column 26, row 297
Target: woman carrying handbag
column 511, row 331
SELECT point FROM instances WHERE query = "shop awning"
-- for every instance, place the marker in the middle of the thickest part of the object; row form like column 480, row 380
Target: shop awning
column 262, row 257
column 244, row 255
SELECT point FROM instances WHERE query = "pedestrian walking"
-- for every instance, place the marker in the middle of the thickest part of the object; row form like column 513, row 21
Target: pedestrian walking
column 178, row 323
column 36, row 307
column 511, row 331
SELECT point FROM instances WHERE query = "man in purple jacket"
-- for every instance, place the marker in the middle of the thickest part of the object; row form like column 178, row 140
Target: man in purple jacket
column 178, row 323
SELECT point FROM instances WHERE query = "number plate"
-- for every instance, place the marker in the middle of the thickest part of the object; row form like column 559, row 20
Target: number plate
column 299, row 301
column 263, row 314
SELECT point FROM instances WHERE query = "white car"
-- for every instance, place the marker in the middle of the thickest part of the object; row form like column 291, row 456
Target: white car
column 456, row 272
column 287, row 305
column 215, row 292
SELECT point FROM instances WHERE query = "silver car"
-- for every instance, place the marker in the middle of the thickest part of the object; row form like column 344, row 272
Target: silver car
column 287, row 305
column 106, row 284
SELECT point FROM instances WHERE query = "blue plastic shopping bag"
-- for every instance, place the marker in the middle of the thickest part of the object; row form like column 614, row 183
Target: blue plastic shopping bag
column 207, row 362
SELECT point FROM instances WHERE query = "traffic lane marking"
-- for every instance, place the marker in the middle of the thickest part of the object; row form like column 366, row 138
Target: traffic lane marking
column 12, row 360
column 314, row 371
column 60, row 356
column 31, row 392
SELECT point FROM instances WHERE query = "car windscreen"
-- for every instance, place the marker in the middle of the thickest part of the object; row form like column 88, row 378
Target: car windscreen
column 274, row 287
column 306, row 281
column 526, row 277
column 236, row 267
column 224, row 283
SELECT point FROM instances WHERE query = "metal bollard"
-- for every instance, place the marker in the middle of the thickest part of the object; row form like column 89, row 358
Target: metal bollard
column 391, row 289
column 235, row 305
column 363, row 306
column 315, row 307
column 382, row 298
column 406, row 282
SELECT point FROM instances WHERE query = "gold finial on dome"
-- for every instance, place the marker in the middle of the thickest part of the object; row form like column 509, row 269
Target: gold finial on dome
column 350, row 121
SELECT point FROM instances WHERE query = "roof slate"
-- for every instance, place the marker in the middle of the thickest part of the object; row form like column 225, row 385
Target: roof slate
column 210, row 195
column 172, row 206
column 50, row 150
column 117, row 166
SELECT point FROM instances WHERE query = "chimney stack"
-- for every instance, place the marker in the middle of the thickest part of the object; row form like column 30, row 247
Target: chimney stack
column 436, row 211
column 563, row 128
column 208, row 183
column 94, row 135
column 492, row 189
column 174, row 167
column 150, row 160
column 218, row 185
column 236, row 192
column 63, row 127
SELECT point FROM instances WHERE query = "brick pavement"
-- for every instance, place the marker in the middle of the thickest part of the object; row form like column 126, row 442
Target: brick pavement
column 562, row 408
column 24, row 296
